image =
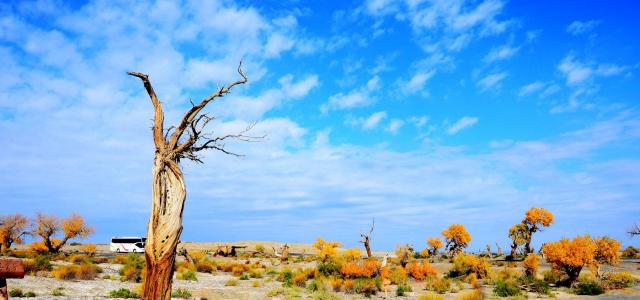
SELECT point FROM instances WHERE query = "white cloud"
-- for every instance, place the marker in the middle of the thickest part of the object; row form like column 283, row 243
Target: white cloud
column 277, row 44
column 252, row 108
column 578, row 27
column 356, row 98
column 462, row 123
column 577, row 72
column 420, row 121
column 417, row 82
column 373, row 120
column 500, row 53
column 491, row 80
column 394, row 126
column 531, row 88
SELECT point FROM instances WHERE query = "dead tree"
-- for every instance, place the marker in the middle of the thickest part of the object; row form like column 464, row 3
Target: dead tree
column 284, row 253
column 635, row 230
column 187, row 257
column 366, row 239
column 183, row 141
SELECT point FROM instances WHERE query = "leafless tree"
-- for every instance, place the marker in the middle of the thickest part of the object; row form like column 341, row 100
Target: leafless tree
column 635, row 230
column 366, row 239
column 185, row 140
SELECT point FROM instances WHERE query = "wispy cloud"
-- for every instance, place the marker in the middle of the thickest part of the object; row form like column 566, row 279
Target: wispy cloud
column 492, row 80
column 359, row 97
column 394, row 126
column 581, row 27
column 500, row 53
column 462, row 123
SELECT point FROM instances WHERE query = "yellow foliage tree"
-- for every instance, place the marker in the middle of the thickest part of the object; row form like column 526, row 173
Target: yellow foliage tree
column 47, row 226
column 89, row 249
column 571, row 256
column 326, row 249
column 457, row 238
column 534, row 219
column 434, row 243
column 12, row 228
column 519, row 235
column 530, row 264
column 353, row 254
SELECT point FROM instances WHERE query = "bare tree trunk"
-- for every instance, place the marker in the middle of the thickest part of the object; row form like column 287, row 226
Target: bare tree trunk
column 367, row 247
column 164, row 227
column 168, row 188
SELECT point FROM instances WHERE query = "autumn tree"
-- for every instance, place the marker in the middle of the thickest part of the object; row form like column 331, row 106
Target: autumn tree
column 326, row 249
column 571, row 256
column 47, row 227
column 456, row 238
column 366, row 239
column 434, row 244
column 12, row 228
column 519, row 235
column 168, row 191
column 535, row 218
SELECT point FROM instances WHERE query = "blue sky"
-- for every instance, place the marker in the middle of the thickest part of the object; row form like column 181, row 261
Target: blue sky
column 419, row 114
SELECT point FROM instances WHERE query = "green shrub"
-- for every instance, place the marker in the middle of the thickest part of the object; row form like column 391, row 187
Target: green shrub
column 286, row 276
column 402, row 289
column 618, row 280
column 438, row 285
column 551, row 277
column 505, row 289
column 588, row 287
column 58, row 291
column 465, row 264
column 16, row 293
column 181, row 293
column 244, row 277
column 122, row 293
column 29, row 294
column 187, row 274
column 539, row 286
column 275, row 292
column 329, row 268
column 366, row 286
column 232, row 282
column 133, row 264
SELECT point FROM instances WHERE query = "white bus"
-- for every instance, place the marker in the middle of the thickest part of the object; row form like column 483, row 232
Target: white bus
column 127, row 244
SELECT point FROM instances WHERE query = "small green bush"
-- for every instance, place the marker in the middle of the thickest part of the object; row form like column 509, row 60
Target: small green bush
column 232, row 282
column 244, row 277
column 29, row 294
column 366, row 286
column 551, row 277
column 57, row 291
column 505, row 289
column 539, row 286
column 438, row 285
column 187, row 274
column 329, row 268
column 122, row 293
column 286, row 277
column 181, row 293
column 618, row 280
column 588, row 287
column 402, row 289
column 16, row 293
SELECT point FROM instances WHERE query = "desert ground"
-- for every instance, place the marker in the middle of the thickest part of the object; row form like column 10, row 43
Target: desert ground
column 219, row 284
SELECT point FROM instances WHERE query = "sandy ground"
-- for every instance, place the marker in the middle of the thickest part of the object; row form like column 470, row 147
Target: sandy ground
column 210, row 286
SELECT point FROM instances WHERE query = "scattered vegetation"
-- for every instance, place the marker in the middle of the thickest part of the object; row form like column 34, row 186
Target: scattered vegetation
column 181, row 293
column 122, row 293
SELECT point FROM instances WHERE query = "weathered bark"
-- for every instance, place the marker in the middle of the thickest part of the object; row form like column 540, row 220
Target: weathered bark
column 164, row 227
column 367, row 247
column 168, row 188
column 366, row 239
